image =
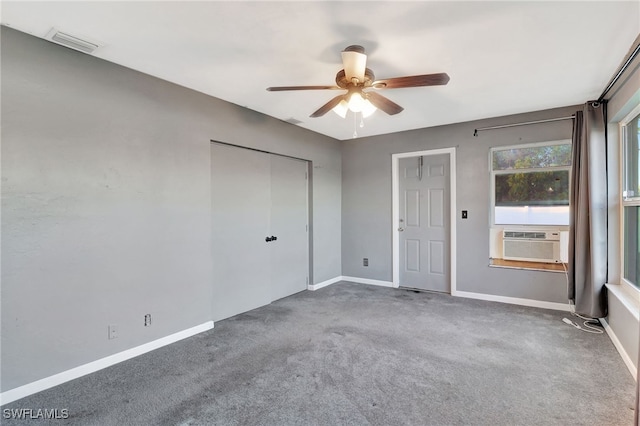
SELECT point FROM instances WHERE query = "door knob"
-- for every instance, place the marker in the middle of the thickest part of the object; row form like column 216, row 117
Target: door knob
column 273, row 238
column 268, row 239
column 400, row 229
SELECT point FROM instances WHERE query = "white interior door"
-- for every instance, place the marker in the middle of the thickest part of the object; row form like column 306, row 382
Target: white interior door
column 424, row 222
column 240, row 207
column 289, row 218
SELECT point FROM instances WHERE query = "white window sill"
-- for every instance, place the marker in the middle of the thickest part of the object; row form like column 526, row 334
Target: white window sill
column 527, row 266
column 627, row 297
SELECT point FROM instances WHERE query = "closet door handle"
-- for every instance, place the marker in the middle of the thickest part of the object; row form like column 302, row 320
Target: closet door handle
column 268, row 239
column 273, row 238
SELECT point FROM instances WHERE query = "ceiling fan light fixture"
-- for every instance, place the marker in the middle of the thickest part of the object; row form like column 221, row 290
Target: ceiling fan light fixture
column 368, row 108
column 356, row 102
column 341, row 109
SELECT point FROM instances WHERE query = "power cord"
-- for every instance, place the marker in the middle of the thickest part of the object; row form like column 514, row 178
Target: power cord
column 590, row 324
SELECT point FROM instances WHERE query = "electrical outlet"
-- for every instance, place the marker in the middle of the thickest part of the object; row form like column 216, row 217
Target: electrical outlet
column 147, row 320
column 365, row 261
column 113, row 331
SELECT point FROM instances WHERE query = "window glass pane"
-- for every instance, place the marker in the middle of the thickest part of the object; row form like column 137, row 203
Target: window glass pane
column 536, row 215
column 631, row 239
column 632, row 160
column 532, row 189
column 532, row 157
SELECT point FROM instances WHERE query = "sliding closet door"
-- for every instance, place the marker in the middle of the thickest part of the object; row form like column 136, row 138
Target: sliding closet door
column 240, row 204
column 260, row 242
column 289, row 216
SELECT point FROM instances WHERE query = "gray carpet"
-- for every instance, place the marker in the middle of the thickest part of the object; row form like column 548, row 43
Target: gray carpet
column 353, row 354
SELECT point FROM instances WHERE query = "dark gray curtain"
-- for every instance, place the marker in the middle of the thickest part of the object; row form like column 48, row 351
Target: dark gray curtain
column 588, row 212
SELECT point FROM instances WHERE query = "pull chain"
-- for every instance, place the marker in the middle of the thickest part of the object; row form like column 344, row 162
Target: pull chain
column 355, row 125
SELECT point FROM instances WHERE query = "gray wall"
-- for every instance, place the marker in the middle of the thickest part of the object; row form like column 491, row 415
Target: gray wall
column 366, row 202
column 106, row 204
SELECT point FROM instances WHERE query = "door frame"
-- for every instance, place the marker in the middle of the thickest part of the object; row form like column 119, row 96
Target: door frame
column 395, row 216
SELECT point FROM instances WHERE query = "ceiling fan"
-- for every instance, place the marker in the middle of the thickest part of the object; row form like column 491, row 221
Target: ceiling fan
column 355, row 77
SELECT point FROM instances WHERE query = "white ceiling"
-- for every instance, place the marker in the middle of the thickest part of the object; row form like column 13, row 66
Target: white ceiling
column 503, row 57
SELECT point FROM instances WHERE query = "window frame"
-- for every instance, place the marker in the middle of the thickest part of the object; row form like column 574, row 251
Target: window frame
column 623, row 200
column 493, row 173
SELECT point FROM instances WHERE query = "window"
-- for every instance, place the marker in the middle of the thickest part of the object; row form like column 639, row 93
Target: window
column 530, row 184
column 630, row 131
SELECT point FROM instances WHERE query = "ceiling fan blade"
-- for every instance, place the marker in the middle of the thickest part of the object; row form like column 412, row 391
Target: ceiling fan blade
column 283, row 88
column 438, row 79
column 384, row 104
column 354, row 61
column 327, row 107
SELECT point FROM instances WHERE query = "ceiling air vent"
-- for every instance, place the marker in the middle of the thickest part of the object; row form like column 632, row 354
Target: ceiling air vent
column 74, row 42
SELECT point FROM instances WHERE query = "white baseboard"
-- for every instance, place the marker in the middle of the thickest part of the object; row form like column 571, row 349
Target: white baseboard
column 57, row 379
column 368, row 281
column 482, row 296
column 623, row 354
column 314, row 287
column 350, row 279
column 514, row 300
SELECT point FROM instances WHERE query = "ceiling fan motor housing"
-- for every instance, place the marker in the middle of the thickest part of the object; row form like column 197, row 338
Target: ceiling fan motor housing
column 342, row 82
column 354, row 48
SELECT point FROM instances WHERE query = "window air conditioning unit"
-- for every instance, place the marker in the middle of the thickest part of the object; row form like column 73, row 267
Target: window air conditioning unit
column 531, row 246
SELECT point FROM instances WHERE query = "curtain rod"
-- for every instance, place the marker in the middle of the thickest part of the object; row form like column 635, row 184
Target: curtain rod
column 475, row 132
column 621, row 71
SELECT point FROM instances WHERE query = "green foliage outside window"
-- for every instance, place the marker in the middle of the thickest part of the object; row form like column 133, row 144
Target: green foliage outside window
column 533, row 189
column 532, row 186
column 532, row 157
